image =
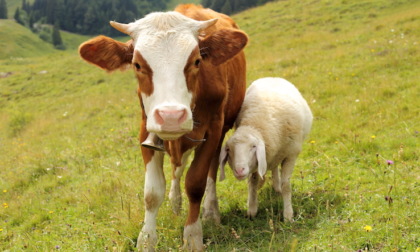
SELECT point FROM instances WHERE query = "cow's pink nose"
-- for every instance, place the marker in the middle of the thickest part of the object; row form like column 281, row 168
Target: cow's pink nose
column 240, row 171
column 170, row 117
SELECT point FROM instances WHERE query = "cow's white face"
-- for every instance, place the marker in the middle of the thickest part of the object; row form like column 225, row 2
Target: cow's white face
column 165, row 56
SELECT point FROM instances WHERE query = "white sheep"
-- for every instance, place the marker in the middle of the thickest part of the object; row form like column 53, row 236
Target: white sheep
column 270, row 129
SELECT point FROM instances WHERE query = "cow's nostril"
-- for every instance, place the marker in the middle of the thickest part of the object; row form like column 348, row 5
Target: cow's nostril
column 170, row 116
column 158, row 118
column 183, row 116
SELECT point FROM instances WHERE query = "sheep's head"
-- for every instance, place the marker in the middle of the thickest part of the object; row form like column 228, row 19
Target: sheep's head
column 245, row 154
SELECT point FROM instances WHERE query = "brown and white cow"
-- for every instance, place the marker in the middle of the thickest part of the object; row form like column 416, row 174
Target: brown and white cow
column 191, row 73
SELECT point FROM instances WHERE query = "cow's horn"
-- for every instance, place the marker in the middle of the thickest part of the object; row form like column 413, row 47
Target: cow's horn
column 124, row 28
column 206, row 24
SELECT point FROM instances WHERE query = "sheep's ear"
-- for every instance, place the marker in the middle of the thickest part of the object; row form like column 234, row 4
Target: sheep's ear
column 222, row 162
column 262, row 162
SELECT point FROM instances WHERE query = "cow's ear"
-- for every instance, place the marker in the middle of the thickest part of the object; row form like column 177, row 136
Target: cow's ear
column 107, row 53
column 222, row 45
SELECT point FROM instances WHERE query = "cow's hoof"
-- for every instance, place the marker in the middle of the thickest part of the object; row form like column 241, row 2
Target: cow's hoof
column 193, row 237
column 251, row 213
column 147, row 240
column 211, row 213
column 288, row 215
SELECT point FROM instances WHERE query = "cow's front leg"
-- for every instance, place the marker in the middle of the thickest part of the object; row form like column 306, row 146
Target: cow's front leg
column 154, row 193
column 195, row 184
column 211, row 203
column 175, row 193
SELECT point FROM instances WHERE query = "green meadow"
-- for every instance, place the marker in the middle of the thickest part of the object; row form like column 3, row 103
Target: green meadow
column 71, row 172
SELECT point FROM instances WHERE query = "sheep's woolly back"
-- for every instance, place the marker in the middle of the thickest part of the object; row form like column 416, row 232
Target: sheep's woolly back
column 276, row 109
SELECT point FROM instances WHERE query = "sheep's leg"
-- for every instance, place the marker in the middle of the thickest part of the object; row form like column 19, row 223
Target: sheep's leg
column 252, row 194
column 286, row 190
column 276, row 180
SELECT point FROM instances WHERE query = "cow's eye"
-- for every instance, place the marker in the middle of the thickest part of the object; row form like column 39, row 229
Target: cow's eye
column 197, row 62
column 137, row 66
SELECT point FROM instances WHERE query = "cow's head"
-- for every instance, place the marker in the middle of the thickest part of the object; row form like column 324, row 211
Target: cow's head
column 166, row 53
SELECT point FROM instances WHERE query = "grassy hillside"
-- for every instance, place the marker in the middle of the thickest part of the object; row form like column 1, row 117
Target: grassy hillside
column 18, row 41
column 71, row 174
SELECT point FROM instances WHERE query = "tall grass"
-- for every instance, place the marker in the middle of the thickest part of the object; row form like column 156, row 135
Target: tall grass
column 71, row 174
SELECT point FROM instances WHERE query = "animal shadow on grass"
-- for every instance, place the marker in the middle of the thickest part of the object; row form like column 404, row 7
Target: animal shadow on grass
column 268, row 229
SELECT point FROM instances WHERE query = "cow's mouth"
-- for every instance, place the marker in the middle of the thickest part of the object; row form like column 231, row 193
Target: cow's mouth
column 170, row 135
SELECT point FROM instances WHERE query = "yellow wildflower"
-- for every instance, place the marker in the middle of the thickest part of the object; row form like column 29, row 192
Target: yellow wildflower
column 5, row 205
column 312, row 142
column 373, row 137
column 5, row 191
column 51, row 212
column 367, row 228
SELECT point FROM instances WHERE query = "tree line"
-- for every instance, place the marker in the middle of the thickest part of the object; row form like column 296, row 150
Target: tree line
column 232, row 6
column 3, row 9
column 47, row 17
column 85, row 17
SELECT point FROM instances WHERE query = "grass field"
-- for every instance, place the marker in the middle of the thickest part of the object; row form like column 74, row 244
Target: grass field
column 71, row 173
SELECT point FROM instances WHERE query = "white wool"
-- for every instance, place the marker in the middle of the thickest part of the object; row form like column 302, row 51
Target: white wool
column 270, row 129
column 277, row 111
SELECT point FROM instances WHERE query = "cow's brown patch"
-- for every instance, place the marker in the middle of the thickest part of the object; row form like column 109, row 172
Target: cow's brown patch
column 144, row 73
column 151, row 201
column 146, row 153
column 192, row 68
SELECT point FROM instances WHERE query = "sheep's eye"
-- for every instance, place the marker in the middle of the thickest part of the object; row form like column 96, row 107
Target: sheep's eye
column 137, row 66
column 197, row 62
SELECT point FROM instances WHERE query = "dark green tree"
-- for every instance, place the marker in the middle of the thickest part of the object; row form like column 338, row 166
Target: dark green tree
column 50, row 11
column 227, row 8
column 217, row 5
column 31, row 21
column 3, row 9
column 56, row 37
column 25, row 6
column 17, row 17
column 206, row 3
